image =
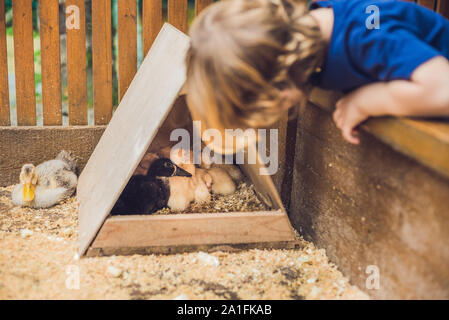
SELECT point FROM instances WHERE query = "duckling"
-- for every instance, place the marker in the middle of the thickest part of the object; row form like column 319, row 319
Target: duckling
column 47, row 184
column 203, row 184
column 183, row 191
column 222, row 182
column 232, row 170
column 149, row 193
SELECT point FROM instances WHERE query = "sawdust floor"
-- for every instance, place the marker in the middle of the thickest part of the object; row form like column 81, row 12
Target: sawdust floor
column 38, row 261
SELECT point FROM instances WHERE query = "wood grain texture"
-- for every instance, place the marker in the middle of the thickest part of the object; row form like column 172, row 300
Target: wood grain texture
column 370, row 205
column 177, row 14
column 443, row 8
column 430, row 4
column 232, row 248
column 24, row 62
column 4, row 87
column 200, row 5
column 20, row 145
column 76, row 62
column 102, row 60
column 151, row 22
column 149, row 97
column 50, row 62
column 127, row 43
column 423, row 140
column 193, row 229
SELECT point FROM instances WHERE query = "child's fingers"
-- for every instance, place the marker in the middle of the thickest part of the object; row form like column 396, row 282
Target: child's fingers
column 350, row 135
column 337, row 117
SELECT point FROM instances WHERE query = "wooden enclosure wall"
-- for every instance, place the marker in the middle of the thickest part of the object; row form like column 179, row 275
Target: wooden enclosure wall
column 370, row 205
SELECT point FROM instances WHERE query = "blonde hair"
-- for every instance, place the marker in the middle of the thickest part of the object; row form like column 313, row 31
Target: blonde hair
column 243, row 53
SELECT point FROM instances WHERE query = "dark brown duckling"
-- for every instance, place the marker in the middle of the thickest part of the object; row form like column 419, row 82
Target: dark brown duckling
column 145, row 194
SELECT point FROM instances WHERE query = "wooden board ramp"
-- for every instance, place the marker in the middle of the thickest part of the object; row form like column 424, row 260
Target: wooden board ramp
column 133, row 127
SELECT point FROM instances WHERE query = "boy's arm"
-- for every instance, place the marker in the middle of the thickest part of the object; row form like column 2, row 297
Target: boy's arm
column 426, row 94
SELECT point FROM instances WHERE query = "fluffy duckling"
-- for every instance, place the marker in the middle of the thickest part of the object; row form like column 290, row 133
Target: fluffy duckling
column 145, row 194
column 232, row 170
column 184, row 191
column 203, row 183
column 222, row 182
column 47, row 184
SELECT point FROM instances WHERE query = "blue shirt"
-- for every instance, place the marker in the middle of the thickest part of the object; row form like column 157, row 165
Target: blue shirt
column 408, row 35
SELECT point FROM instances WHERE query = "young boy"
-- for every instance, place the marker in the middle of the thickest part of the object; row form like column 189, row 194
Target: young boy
column 252, row 60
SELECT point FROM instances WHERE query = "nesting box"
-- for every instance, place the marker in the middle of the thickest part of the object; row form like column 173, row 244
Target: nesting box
column 148, row 111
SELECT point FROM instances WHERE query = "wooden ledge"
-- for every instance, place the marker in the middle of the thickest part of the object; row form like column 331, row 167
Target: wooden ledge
column 426, row 141
column 19, row 145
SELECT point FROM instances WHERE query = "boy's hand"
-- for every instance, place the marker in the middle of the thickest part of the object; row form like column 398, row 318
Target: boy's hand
column 348, row 115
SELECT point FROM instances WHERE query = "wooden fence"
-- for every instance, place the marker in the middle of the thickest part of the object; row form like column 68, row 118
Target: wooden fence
column 102, row 59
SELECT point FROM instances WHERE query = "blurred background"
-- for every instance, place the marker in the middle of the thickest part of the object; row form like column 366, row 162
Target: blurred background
column 37, row 54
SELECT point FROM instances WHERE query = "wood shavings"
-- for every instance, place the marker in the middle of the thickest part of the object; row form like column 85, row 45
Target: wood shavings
column 42, row 267
column 243, row 200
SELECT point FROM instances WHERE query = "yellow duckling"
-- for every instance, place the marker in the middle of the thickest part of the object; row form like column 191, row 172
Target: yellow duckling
column 47, row 184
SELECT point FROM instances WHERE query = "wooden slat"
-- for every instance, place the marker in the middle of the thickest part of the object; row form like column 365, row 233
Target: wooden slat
column 193, row 229
column 151, row 22
column 430, row 4
column 102, row 60
column 20, row 145
column 127, row 43
column 201, row 4
column 425, row 141
column 50, row 61
column 177, row 14
column 4, row 88
column 76, row 62
column 24, row 62
column 443, row 7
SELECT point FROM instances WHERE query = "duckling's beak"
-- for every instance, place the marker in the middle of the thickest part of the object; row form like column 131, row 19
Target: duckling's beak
column 28, row 191
column 181, row 172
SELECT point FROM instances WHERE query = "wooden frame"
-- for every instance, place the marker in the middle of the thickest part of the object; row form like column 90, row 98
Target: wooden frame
column 187, row 232
column 149, row 105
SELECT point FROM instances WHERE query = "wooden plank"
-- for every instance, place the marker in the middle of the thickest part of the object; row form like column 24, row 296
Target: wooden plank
column 200, row 5
column 443, row 8
column 4, row 87
column 232, row 248
column 430, row 4
column 127, row 43
column 423, row 140
column 193, row 229
column 151, row 22
column 177, row 14
column 50, row 62
column 20, row 145
column 102, row 60
column 24, row 62
column 76, row 62
column 150, row 96
column 369, row 205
